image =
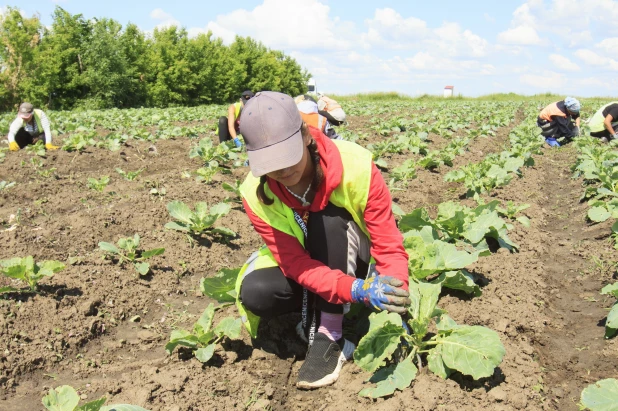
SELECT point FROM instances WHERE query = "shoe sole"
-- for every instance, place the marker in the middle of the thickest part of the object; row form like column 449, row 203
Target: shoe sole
column 326, row 380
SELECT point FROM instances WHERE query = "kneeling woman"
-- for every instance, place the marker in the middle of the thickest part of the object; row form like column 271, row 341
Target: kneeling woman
column 324, row 212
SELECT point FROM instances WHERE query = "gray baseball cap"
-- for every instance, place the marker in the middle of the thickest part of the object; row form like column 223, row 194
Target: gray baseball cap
column 271, row 127
column 25, row 110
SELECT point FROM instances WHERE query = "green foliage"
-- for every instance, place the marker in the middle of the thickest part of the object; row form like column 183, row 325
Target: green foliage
column 456, row 223
column 234, row 189
column 471, row 350
column 129, row 175
column 601, row 396
column 36, row 149
column 127, row 251
column 611, row 324
column 95, row 63
column 79, row 141
column 25, row 269
column 65, row 398
column 98, row 185
column 203, row 339
column 221, row 286
column 199, row 221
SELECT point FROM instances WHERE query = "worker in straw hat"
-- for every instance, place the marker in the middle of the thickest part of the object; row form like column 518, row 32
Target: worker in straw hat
column 324, row 212
column 560, row 119
column 28, row 128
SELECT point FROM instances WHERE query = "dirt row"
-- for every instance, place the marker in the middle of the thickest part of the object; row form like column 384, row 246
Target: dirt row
column 102, row 329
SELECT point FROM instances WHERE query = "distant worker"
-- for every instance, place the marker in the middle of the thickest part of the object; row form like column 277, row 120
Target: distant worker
column 28, row 128
column 556, row 121
column 330, row 109
column 308, row 109
column 229, row 127
column 604, row 123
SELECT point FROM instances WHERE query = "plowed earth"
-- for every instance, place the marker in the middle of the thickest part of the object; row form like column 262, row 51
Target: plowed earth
column 100, row 328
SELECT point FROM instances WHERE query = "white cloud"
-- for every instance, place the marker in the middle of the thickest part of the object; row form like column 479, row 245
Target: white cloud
column 563, row 63
column 389, row 28
column 166, row 19
column 452, row 40
column 593, row 59
column 520, row 35
column 547, row 81
column 608, row 45
column 569, row 19
column 580, row 38
column 286, row 23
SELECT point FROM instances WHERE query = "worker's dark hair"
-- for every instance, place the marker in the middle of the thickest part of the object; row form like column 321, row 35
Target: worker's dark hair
column 318, row 176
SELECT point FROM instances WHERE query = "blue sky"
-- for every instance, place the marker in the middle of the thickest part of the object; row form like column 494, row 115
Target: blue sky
column 412, row 47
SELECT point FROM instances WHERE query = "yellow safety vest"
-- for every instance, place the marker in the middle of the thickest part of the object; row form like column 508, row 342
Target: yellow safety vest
column 351, row 194
column 37, row 120
column 597, row 121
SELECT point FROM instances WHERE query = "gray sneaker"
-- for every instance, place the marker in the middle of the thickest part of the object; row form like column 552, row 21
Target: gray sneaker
column 604, row 140
column 323, row 362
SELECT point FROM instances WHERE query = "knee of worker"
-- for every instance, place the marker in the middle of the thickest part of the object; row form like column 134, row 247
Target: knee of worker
column 336, row 239
column 258, row 295
column 223, row 123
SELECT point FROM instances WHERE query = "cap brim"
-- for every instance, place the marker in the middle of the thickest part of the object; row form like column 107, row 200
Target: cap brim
column 25, row 115
column 276, row 157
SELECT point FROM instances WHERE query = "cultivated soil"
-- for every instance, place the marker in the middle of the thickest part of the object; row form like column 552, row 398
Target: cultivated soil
column 101, row 328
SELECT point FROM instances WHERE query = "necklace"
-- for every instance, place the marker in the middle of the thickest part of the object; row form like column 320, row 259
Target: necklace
column 302, row 199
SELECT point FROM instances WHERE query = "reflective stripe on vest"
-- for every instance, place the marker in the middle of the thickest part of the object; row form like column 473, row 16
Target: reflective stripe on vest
column 551, row 110
column 351, row 194
column 597, row 121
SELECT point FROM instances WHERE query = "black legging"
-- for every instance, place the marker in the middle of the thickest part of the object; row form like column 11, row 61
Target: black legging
column 224, row 131
column 605, row 133
column 23, row 138
column 268, row 293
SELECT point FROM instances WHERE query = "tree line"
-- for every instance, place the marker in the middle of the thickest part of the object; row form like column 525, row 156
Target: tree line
column 97, row 64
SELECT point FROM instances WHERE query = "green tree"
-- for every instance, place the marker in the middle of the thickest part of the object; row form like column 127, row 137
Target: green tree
column 105, row 74
column 169, row 78
column 135, row 49
column 218, row 75
column 19, row 38
column 59, row 82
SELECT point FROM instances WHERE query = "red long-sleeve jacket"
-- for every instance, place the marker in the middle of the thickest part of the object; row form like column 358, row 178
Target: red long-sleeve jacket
column 386, row 240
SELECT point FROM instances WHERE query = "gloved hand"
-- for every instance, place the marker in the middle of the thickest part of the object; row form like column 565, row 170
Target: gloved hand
column 381, row 293
column 552, row 142
column 51, row 147
column 576, row 131
column 237, row 142
column 13, row 146
column 614, row 137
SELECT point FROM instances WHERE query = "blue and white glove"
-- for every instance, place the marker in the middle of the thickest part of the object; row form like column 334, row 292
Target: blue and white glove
column 237, row 142
column 552, row 142
column 381, row 293
column 614, row 137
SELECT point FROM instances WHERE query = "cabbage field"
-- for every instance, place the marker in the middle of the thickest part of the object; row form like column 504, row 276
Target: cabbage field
column 120, row 252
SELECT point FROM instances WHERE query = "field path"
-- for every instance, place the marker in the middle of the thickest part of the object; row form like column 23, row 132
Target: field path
column 572, row 349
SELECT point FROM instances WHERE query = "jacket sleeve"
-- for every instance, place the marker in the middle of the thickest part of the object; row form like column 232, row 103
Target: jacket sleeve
column 46, row 128
column 332, row 285
column 386, row 240
column 14, row 128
